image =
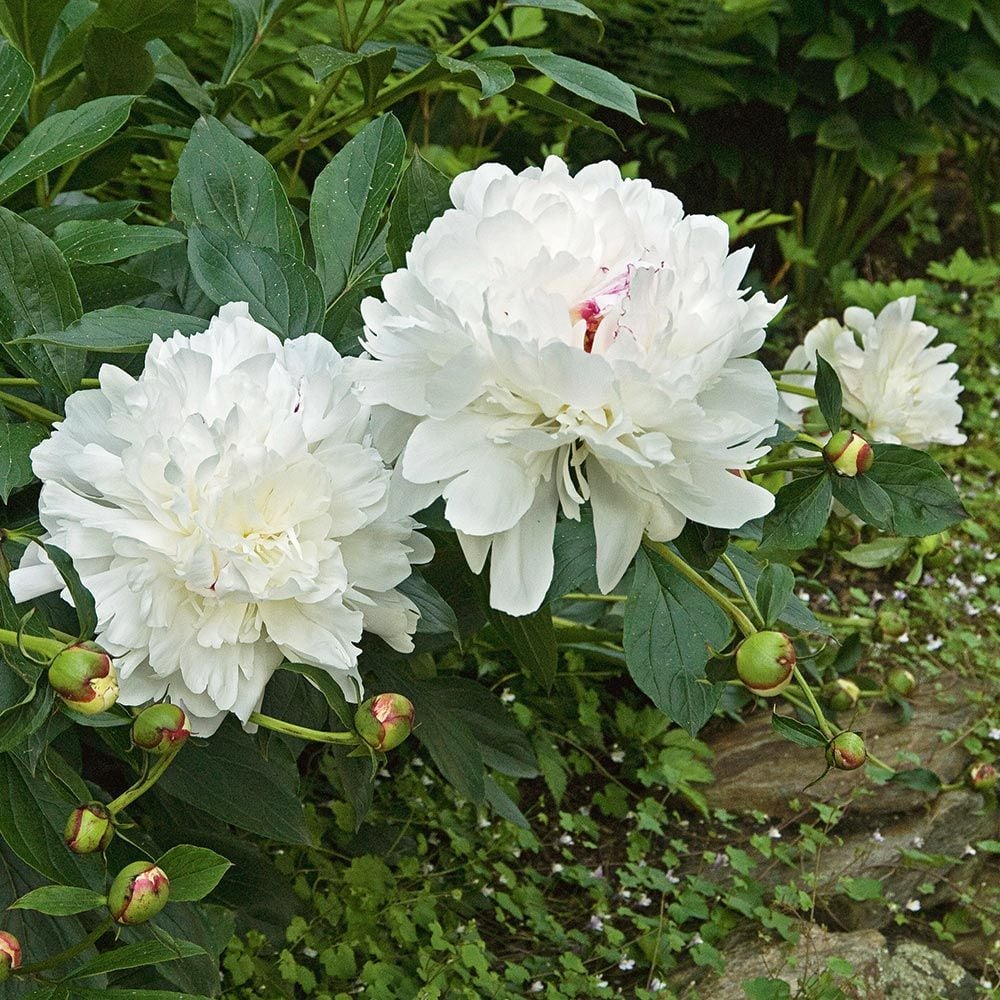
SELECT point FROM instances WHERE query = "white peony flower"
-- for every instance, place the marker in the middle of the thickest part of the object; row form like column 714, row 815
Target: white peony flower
column 227, row 509
column 555, row 340
column 895, row 384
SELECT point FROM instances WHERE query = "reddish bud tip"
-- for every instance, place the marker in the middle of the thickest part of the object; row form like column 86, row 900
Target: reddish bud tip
column 84, row 677
column 846, row 752
column 138, row 893
column 160, row 728
column 765, row 662
column 983, row 777
column 10, row 955
column 384, row 721
column 849, row 453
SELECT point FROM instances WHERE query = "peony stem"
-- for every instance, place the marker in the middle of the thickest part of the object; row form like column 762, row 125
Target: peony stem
column 302, row 732
column 825, row 728
column 141, row 787
column 30, row 411
column 785, row 464
column 744, row 589
column 743, row 623
column 71, row 952
column 47, row 648
column 795, row 390
column 32, row 383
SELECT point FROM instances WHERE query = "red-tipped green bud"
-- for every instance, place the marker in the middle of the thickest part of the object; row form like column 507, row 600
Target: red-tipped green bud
column 846, row 752
column 983, row 777
column 841, row 695
column 10, row 955
column 159, row 729
column 84, row 677
column 849, row 453
column 384, row 721
column 138, row 893
column 765, row 661
column 901, row 681
column 891, row 624
column 89, row 829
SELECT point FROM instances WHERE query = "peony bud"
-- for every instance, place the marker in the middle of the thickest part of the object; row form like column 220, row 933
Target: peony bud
column 765, row 661
column 138, row 893
column 384, row 721
column 902, row 681
column 891, row 624
column 983, row 777
column 10, row 955
column 89, row 829
column 846, row 751
column 841, row 695
column 84, row 677
column 849, row 453
column 160, row 728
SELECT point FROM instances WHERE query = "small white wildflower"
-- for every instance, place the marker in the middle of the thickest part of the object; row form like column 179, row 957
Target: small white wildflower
column 627, row 964
column 989, row 556
column 417, row 761
column 671, row 877
column 899, row 595
column 918, row 841
column 913, row 905
column 601, row 983
column 905, row 637
column 979, row 579
column 617, row 756
column 507, row 696
column 598, row 872
column 566, row 840
column 877, row 836
column 487, row 890
column 877, row 596
column 310, row 952
column 934, row 643
column 557, row 868
column 482, row 822
column 426, row 779
column 657, row 985
column 994, row 733
column 969, row 852
column 774, row 833
column 595, row 923
column 626, row 894
column 644, row 900
column 536, row 987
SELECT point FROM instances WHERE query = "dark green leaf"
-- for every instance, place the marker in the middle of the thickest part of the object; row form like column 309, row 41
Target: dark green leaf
column 16, row 442
column 225, row 186
column 575, row 554
column 504, row 805
column 829, row 394
column 700, row 545
column 105, row 241
column 145, row 19
column 863, row 496
column 16, row 79
column 229, row 778
column 30, row 23
column 325, row 60
column 135, row 956
column 37, row 295
column 920, row 779
column 421, row 198
column 801, row 733
column 60, row 900
column 116, row 64
column 248, row 20
column 48, row 219
column 67, row 135
column 532, row 640
column 283, row 294
column 373, row 67
column 193, row 872
column 21, row 720
column 102, row 287
column 436, row 615
column 775, row 586
column 801, row 510
column 671, row 628
column 562, row 6
column 104, row 993
column 493, row 75
column 349, row 200
column 559, row 109
column 122, row 329
column 83, row 601
column 923, row 498
column 329, row 688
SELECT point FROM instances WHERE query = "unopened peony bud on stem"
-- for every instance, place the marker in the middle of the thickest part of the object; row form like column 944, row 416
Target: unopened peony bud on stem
column 138, row 893
column 10, row 955
column 159, row 729
column 849, row 453
column 85, row 678
column 842, row 694
column 765, row 662
column 983, row 777
column 901, row 681
column 384, row 721
column 846, row 751
column 90, row 828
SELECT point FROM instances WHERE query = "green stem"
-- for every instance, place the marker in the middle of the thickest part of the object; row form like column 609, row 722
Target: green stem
column 141, row 787
column 743, row 623
column 31, row 383
column 71, row 952
column 47, row 648
column 294, row 139
column 854, row 621
column 301, row 732
column 785, row 464
column 824, row 726
column 30, row 411
column 795, row 390
column 610, row 598
column 872, row 759
column 744, row 589
column 792, row 700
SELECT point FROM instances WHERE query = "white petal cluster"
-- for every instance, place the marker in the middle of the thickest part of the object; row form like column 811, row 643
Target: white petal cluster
column 896, row 385
column 227, row 509
column 558, row 340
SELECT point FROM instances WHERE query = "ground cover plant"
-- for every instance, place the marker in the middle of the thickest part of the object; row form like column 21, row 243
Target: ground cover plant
column 437, row 560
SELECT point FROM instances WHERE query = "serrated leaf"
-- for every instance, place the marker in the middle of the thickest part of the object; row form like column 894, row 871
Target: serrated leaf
column 65, row 136
column 283, row 294
column 60, row 900
column 671, row 628
column 228, row 188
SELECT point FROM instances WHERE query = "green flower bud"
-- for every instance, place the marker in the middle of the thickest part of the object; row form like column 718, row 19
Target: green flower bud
column 84, row 677
column 10, row 955
column 765, row 661
column 891, row 624
column 849, row 453
column 846, row 751
column 138, row 893
column 902, row 681
column 983, row 777
column 89, row 829
column 930, row 543
column 160, row 728
column 384, row 721
column 841, row 695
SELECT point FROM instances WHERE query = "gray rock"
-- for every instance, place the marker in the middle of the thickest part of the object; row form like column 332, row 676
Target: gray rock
column 915, row 972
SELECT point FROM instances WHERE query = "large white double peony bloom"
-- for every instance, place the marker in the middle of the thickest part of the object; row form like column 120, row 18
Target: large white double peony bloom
column 895, row 383
column 227, row 509
column 555, row 340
